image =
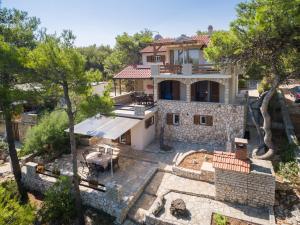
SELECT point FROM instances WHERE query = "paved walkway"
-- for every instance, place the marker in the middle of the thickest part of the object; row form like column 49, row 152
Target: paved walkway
column 201, row 209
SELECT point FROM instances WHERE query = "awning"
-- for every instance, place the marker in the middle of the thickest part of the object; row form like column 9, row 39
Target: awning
column 105, row 127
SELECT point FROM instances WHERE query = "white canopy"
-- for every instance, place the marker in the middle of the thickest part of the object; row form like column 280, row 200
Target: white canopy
column 105, row 127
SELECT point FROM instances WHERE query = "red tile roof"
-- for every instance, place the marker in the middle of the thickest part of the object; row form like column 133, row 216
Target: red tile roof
column 134, row 72
column 149, row 49
column 227, row 161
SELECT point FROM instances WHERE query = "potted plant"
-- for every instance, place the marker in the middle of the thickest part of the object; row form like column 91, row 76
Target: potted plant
column 40, row 168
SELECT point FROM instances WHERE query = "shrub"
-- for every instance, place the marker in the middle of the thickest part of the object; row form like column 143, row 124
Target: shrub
column 220, row 219
column 59, row 203
column 48, row 132
column 264, row 85
column 289, row 170
column 287, row 152
column 12, row 212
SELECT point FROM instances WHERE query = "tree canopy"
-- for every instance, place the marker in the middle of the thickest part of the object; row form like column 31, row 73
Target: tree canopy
column 264, row 41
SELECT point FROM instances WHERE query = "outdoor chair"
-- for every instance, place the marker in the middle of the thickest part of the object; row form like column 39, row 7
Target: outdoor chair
column 84, row 163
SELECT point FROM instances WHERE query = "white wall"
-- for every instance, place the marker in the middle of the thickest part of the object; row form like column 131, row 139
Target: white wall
column 140, row 136
column 146, row 89
column 144, row 58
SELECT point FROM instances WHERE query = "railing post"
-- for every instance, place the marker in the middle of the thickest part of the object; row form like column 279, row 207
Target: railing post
column 187, row 69
column 154, row 70
column 226, row 92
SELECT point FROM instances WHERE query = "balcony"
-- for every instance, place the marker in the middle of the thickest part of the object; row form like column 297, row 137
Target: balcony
column 188, row 70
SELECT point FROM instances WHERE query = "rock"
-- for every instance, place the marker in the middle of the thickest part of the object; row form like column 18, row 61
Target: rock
column 178, row 207
column 1, row 161
column 158, row 206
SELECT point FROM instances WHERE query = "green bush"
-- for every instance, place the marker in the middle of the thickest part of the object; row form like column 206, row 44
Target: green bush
column 287, row 152
column 264, row 85
column 48, row 132
column 59, row 203
column 220, row 219
column 11, row 211
column 242, row 83
column 3, row 146
column 289, row 170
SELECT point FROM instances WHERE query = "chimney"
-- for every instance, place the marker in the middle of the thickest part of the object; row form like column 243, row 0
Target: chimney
column 210, row 30
column 241, row 151
column 139, row 110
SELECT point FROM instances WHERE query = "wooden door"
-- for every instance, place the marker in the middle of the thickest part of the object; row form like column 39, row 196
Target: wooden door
column 214, row 92
column 176, row 90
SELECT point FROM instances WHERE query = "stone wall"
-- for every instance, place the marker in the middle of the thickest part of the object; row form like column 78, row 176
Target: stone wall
column 122, row 99
column 222, row 114
column 109, row 201
column 256, row 188
column 206, row 173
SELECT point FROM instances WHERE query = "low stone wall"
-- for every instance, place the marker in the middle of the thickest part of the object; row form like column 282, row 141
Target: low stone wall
column 207, row 175
column 122, row 99
column 109, row 201
column 256, row 188
column 233, row 115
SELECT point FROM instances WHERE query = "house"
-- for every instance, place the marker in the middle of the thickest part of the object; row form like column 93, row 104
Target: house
column 193, row 100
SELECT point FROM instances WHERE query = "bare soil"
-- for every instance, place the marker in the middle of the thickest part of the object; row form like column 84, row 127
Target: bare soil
column 195, row 160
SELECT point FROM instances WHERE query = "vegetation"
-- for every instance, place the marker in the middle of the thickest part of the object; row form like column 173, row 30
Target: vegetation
column 48, row 134
column 288, row 167
column 17, row 37
column 126, row 51
column 263, row 41
column 12, row 211
column 60, row 67
column 59, row 203
column 220, row 219
column 95, row 57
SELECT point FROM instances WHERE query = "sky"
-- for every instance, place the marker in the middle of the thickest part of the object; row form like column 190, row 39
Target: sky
column 100, row 21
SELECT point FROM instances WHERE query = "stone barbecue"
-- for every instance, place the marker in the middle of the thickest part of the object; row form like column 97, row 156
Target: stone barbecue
column 242, row 180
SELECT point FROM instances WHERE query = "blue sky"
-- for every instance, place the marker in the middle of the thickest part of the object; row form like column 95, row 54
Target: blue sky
column 99, row 21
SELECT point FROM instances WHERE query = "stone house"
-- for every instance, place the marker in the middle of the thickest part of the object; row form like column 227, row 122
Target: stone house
column 195, row 101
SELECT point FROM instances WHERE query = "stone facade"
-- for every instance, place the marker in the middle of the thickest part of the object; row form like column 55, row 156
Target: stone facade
column 256, row 188
column 223, row 114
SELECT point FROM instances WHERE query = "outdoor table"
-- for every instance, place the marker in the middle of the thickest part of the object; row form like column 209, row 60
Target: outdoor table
column 98, row 159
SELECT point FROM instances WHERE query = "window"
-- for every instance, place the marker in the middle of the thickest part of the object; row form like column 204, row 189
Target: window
column 149, row 122
column 176, row 119
column 179, row 56
column 157, row 58
column 173, row 119
column 203, row 120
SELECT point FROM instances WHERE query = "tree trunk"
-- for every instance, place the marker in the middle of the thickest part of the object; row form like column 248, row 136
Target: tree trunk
column 267, row 123
column 80, row 218
column 13, row 155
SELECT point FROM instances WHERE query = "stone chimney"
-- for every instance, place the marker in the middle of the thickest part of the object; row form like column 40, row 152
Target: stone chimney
column 139, row 110
column 241, row 151
column 210, row 30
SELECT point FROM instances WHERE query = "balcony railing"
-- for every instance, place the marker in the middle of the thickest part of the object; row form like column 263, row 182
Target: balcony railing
column 185, row 69
column 204, row 69
column 168, row 68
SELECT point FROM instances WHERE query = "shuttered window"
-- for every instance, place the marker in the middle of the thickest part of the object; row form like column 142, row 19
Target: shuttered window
column 149, row 122
column 157, row 58
column 203, row 120
column 197, row 119
column 173, row 119
column 170, row 118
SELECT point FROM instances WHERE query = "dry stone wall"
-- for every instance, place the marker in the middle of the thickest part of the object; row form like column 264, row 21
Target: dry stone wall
column 233, row 115
column 256, row 188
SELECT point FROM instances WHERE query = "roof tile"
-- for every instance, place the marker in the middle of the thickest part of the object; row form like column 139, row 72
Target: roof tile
column 134, row 72
column 227, row 161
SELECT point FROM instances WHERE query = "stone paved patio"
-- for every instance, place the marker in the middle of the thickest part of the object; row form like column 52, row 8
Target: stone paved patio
column 201, row 209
